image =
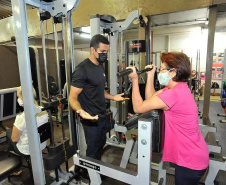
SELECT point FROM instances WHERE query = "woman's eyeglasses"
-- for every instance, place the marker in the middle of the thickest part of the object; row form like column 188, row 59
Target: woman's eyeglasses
column 168, row 69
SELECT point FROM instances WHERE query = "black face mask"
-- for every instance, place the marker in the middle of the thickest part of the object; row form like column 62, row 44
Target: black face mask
column 102, row 58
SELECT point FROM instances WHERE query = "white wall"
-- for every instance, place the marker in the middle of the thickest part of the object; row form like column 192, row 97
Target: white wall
column 189, row 42
column 80, row 55
column 219, row 42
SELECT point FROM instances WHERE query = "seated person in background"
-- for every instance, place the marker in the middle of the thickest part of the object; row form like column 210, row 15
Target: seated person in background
column 184, row 144
column 17, row 137
column 202, row 85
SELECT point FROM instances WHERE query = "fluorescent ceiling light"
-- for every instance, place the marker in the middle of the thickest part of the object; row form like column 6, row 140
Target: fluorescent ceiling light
column 86, row 29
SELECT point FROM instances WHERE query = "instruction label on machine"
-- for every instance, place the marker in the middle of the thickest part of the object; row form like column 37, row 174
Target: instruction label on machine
column 89, row 165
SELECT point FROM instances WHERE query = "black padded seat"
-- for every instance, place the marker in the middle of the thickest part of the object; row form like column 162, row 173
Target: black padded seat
column 9, row 166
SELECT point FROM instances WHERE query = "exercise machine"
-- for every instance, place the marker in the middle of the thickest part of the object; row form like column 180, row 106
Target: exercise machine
column 130, row 153
column 55, row 8
column 95, row 167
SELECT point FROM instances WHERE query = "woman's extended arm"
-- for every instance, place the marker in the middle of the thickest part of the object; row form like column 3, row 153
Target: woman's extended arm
column 150, row 89
column 149, row 104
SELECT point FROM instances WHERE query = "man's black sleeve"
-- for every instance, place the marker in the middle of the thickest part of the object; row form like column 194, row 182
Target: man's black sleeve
column 78, row 77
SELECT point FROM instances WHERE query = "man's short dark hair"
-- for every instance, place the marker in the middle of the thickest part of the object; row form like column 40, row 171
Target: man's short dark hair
column 97, row 39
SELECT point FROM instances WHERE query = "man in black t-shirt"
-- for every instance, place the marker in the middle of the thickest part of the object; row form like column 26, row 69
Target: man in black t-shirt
column 87, row 96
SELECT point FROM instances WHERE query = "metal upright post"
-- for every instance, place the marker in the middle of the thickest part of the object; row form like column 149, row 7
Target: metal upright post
column 147, row 41
column 72, row 55
column 190, row 75
column 223, row 71
column 156, row 55
column 72, row 41
column 44, row 57
column 57, row 57
column 126, row 79
column 20, row 23
column 66, row 29
column 59, row 76
column 120, row 109
column 113, row 72
column 38, row 74
column 209, row 60
column 94, row 25
column 199, row 77
column 46, row 77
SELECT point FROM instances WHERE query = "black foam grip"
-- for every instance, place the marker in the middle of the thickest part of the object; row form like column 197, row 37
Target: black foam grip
column 144, row 70
column 124, row 72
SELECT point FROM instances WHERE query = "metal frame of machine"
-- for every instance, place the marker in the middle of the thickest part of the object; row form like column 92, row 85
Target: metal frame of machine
column 55, row 8
column 95, row 168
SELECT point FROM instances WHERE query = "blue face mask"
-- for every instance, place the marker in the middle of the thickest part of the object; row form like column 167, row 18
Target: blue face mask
column 164, row 78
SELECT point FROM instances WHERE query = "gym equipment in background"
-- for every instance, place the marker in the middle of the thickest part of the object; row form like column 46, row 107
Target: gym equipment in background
column 199, row 79
column 58, row 152
column 215, row 86
column 53, row 87
column 55, row 8
column 223, row 91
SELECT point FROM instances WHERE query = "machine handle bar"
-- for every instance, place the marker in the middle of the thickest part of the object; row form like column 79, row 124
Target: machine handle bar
column 124, row 72
column 144, row 70
column 128, row 71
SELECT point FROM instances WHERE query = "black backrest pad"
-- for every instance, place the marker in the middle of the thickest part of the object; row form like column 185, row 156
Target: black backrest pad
column 158, row 127
column 44, row 132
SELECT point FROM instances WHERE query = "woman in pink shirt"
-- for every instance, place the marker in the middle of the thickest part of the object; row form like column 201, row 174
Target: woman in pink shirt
column 184, row 144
